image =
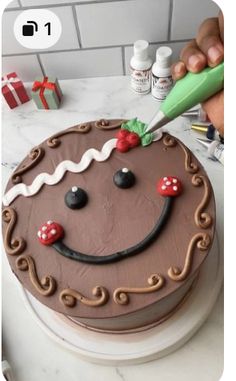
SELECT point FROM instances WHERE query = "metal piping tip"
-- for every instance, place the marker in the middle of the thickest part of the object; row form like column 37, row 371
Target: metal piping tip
column 206, row 143
column 191, row 113
column 158, row 121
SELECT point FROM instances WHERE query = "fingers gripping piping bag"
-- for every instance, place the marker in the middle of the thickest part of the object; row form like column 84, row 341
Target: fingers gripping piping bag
column 188, row 92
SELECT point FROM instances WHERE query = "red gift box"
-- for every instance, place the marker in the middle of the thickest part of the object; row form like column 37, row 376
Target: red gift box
column 13, row 90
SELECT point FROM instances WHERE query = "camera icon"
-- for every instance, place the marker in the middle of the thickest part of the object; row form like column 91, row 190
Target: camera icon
column 29, row 28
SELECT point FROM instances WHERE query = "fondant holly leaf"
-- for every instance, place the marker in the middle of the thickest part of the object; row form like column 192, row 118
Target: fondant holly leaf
column 135, row 125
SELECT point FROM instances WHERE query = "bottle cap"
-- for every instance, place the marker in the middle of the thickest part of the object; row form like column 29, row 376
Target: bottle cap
column 141, row 49
column 163, row 56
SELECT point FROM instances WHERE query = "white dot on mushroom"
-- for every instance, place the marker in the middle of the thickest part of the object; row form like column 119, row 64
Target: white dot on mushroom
column 53, row 231
column 44, row 228
column 163, row 187
column 39, row 234
column 168, row 183
column 44, row 236
column 174, row 181
column 175, row 188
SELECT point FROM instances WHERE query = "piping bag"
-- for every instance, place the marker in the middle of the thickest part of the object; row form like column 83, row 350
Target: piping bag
column 187, row 93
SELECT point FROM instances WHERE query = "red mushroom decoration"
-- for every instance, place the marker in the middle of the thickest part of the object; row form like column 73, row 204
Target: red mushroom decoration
column 169, row 186
column 50, row 232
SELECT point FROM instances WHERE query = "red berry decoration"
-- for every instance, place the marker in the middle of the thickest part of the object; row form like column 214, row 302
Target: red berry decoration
column 50, row 232
column 122, row 134
column 133, row 139
column 122, row 145
column 169, row 186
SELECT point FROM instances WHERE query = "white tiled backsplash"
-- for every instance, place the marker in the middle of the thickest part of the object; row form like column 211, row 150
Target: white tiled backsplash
column 97, row 35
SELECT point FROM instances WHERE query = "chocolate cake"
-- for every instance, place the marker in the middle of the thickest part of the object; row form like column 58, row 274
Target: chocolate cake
column 109, row 225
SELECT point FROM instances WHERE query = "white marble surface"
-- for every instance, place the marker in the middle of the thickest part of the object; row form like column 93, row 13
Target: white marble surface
column 32, row 355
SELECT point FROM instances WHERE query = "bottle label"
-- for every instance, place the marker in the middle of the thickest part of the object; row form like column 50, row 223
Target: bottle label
column 161, row 86
column 141, row 80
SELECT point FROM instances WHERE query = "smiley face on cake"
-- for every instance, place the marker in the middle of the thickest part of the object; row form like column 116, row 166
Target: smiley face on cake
column 111, row 237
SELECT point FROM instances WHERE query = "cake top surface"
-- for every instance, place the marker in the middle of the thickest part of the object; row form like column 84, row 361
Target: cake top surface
column 93, row 227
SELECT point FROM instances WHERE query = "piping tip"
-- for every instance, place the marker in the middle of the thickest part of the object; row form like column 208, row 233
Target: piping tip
column 204, row 142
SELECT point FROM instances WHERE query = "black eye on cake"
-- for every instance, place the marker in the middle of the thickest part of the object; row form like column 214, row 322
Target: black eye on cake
column 76, row 198
column 124, row 178
column 51, row 233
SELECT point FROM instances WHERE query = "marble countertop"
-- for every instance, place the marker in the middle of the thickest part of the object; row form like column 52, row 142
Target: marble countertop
column 34, row 356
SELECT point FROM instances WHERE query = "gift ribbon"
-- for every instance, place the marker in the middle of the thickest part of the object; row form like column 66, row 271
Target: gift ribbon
column 45, row 85
column 8, row 82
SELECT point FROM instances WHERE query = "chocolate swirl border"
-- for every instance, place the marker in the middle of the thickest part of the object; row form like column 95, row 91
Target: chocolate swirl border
column 169, row 140
column 202, row 219
column 155, row 281
column 104, row 124
column 202, row 241
column 190, row 166
column 35, row 155
column 46, row 286
column 13, row 246
column 69, row 297
column 54, row 141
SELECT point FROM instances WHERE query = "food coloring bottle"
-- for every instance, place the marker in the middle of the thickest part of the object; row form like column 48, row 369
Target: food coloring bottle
column 140, row 66
column 162, row 80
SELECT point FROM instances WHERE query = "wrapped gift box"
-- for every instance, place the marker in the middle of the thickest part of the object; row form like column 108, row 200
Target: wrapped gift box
column 46, row 93
column 13, row 90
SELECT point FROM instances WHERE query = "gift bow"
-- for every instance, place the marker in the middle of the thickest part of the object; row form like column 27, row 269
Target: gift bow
column 42, row 86
column 8, row 82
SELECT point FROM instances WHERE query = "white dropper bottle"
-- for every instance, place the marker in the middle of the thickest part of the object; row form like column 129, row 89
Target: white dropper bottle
column 162, row 80
column 140, row 66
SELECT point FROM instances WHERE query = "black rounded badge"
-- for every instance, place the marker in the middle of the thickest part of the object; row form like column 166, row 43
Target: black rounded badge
column 76, row 198
column 124, row 178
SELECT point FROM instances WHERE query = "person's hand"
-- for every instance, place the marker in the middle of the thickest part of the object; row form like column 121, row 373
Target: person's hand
column 206, row 50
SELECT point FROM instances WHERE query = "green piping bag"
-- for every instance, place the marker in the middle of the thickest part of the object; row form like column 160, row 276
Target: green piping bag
column 187, row 93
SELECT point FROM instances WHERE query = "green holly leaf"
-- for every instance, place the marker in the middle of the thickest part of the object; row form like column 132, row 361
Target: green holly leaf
column 147, row 139
column 135, row 125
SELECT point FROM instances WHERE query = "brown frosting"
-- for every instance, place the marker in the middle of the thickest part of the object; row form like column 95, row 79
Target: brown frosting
column 46, row 286
column 35, row 155
column 54, row 140
column 202, row 219
column 13, row 246
column 202, row 241
column 121, row 294
column 112, row 220
column 69, row 297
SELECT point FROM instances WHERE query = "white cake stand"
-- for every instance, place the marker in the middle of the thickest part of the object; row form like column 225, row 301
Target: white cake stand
column 134, row 348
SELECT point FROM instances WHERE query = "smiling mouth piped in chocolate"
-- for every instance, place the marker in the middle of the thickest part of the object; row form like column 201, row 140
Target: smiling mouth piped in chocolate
column 51, row 233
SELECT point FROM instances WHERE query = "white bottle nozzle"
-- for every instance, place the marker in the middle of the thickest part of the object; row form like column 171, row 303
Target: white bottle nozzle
column 163, row 56
column 141, row 50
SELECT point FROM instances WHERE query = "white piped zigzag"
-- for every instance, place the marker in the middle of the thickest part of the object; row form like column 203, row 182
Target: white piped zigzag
column 66, row 165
